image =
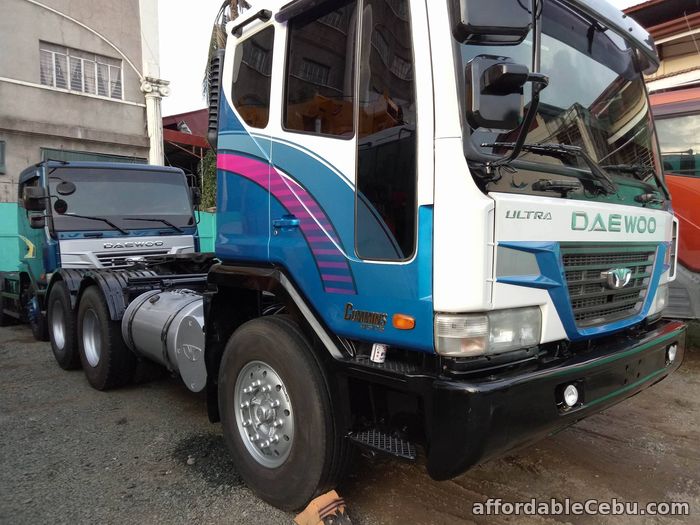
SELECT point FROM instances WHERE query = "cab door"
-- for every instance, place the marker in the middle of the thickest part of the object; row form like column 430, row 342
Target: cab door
column 314, row 150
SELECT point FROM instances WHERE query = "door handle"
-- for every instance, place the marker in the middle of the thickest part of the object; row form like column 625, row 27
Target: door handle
column 286, row 222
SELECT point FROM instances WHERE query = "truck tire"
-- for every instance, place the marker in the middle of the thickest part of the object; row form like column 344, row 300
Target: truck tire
column 37, row 321
column 106, row 360
column 276, row 413
column 62, row 329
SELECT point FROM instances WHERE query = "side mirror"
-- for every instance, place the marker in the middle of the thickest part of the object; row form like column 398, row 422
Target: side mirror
column 496, row 22
column 34, row 198
column 495, row 92
column 60, row 206
column 37, row 222
column 65, row 188
column 196, row 196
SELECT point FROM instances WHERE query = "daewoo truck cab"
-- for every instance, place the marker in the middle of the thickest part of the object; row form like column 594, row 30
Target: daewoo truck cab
column 441, row 227
column 80, row 215
column 677, row 114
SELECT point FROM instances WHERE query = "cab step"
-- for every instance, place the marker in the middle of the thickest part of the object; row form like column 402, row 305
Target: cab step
column 383, row 442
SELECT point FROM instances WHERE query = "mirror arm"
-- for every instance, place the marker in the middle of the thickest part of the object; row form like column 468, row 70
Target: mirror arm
column 539, row 82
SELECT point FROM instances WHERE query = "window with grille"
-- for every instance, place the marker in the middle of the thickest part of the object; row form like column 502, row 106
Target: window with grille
column 75, row 70
column 319, row 90
column 314, row 72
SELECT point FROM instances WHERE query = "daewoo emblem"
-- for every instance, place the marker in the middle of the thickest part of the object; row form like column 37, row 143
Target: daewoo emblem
column 617, row 278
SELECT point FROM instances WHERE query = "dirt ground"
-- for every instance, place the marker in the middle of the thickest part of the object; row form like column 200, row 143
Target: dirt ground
column 71, row 454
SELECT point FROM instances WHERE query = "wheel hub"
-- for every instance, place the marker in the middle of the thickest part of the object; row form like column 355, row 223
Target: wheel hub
column 264, row 414
column 92, row 341
column 57, row 325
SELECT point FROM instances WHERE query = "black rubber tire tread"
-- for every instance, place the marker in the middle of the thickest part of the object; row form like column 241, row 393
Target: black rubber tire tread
column 117, row 363
column 304, row 474
column 67, row 357
column 341, row 453
column 40, row 328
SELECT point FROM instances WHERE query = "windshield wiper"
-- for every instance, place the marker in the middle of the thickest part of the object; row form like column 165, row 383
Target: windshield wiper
column 559, row 186
column 106, row 221
column 167, row 223
column 563, row 150
column 639, row 172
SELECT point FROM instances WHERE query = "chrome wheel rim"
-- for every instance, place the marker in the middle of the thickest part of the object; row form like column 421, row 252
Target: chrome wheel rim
column 264, row 414
column 58, row 329
column 92, row 342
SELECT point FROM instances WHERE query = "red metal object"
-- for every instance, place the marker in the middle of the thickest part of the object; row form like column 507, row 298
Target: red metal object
column 685, row 191
column 177, row 137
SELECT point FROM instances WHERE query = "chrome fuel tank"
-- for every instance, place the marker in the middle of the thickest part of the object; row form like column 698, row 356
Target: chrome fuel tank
column 168, row 328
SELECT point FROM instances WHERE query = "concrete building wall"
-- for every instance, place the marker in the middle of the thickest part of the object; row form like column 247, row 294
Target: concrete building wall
column 33, row 116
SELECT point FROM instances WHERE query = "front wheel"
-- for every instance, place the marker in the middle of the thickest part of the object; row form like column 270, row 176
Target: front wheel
column 34, row 316
column 276, row 413
column 106, row 360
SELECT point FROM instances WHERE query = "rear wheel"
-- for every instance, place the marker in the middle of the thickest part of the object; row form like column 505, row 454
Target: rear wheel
column 276, row 413
column 62, row 329
column 106, row 360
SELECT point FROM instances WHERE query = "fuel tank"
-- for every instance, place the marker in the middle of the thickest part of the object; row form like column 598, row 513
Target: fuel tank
column 168, row 327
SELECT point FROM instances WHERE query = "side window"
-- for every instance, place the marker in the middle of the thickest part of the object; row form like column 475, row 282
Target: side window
column 251, row 83
column 386, row 156
column 2, row 157
column 320, row 71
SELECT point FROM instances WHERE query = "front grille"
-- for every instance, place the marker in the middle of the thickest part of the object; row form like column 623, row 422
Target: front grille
column 592, row 302
column 121, row 260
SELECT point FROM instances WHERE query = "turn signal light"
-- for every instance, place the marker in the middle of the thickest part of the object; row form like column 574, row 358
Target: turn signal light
column 403, row 322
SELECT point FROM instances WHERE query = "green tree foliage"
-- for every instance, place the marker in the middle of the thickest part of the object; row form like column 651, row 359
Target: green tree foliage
column 207, row 174
column 230, row 9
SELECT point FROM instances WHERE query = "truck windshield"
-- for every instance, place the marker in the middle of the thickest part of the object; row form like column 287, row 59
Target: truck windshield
column 680, row 144
column 122, row 197
column 596, row 101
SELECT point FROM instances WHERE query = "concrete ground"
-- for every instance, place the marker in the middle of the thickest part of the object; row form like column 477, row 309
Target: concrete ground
column 147, row 454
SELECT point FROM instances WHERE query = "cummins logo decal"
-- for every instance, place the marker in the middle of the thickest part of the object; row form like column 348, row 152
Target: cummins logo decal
column 132, row 244
column 367, row 320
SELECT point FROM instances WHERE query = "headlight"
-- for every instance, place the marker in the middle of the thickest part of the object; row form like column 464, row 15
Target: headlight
column 490, row 333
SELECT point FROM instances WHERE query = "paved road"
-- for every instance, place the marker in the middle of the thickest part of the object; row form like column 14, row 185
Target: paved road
column 74, row 455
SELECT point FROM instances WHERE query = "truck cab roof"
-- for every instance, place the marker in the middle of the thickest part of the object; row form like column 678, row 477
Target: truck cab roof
column 30, row 172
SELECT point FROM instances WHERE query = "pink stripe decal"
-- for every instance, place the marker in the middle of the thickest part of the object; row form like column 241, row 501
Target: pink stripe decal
column 329, row 264
column 340, row 291
column 336, row 278
column 295, row 199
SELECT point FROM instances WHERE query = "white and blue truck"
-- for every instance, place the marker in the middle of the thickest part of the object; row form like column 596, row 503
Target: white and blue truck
column 441, row 227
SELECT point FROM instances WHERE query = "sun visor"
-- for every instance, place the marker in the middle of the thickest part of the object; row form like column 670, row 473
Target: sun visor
column 612, row 18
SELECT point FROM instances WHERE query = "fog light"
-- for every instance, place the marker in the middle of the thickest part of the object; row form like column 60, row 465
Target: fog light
column 671, row 353
column 571, row 396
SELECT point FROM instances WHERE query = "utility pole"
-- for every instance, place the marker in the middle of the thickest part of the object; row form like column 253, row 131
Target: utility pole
column 152, row 86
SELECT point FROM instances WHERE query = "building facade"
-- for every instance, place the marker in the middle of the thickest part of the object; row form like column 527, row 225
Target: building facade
column 78, row 81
